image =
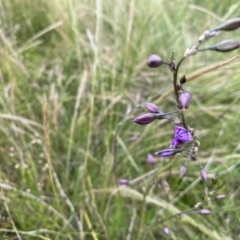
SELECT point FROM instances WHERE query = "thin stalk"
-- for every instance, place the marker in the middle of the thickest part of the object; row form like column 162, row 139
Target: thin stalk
column 175, row 76
column 143, row 212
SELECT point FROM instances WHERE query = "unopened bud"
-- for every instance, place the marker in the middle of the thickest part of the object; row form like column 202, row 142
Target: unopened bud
column 224, row 46
column 204, row 212
column 220, row 197
column 185, row 99
column 206, row 35
column 199, row 204
column 229, row 25
column 152, row 108
column 183, row 170
column 144, row 119
column 166, row 153
column 151, row 159
column 166, row 230
column 123, row 182
column 154, row 61
column 203, row 174
column 190, row 52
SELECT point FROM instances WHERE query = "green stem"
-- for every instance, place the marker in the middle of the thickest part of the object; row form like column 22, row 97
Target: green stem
column 175, row 76
column 143, row 212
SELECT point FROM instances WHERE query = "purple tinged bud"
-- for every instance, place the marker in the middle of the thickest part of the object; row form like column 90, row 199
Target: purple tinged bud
column 152, row 108
column 151, row 159
column 185, row 99
column 203, row 174
column 123, row 182
column 144, row 119
column 204, row 212
column 224, row 46
column 220, row 197
column 227, row 45
column 166, row 230
column 183, row 170
column 229, row 25
column 166, row 153
column 154, row 61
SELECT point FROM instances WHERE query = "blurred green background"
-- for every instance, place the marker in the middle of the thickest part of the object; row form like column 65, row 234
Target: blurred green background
column 72, row 76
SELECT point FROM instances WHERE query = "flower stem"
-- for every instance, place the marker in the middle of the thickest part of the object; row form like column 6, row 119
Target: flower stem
column 176, row 90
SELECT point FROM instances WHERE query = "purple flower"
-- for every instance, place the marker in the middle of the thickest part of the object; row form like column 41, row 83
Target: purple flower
column 145, row 118
column 181, row 135
column 166, row 153
column 174, row 143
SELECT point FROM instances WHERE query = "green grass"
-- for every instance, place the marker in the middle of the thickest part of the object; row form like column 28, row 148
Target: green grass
column 72, row 75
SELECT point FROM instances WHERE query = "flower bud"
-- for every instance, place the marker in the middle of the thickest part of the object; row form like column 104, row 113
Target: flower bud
column 166, row 153
column 224, row 46
column 185, row 99
column 152, row 108
column 190, row 52
column 144, row 119
column 183, row 170
column 206, row 35
column 204, row 212
column 229, row 25
column 151, row 159
column 154, row 61
column 220, row 197
column 166, row 230
column 123, row 182
column 203, row 174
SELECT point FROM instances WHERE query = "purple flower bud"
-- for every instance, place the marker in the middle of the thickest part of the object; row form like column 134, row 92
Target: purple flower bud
column 224, row 46
column 204, row 212
column 229, row 25
column 151, row 159
column 166, row 230
column 203, row 174
column 183, row 170
column 185, row 99
column 123, row 182
column 220, row 197
column 145, row 118
column 154, row 61
column 152, row 108
column 166, row 153
column 182, row 135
